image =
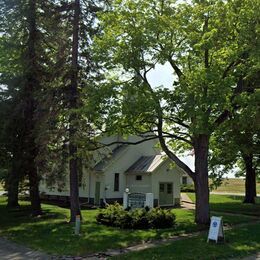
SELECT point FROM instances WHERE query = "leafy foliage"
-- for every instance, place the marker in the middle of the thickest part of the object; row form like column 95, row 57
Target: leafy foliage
column 115, row 215
column 211, row 48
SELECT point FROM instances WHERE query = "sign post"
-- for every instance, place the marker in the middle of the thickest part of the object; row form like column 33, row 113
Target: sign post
column 125, row 200
column 216, row 231
column 77, row 225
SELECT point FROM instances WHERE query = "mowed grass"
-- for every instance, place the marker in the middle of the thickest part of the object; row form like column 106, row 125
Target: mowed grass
column 231, row 204
column 239, row 242
column 51, row 232
column 234, row 185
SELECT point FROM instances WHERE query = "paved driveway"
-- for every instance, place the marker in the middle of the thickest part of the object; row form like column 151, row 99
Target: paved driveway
column 12, row 251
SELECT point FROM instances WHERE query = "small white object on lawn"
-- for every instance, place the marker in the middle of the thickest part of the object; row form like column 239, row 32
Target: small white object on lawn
column 216, row 231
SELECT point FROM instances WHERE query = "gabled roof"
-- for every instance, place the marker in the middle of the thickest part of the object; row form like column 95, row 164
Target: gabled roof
column 146, row 164
column 103, row 163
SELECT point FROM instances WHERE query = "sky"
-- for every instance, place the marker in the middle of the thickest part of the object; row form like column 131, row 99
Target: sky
column 162, row 75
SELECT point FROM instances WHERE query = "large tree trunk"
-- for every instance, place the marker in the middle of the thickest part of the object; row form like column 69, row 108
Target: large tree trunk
column 250, row 184
column 201, row 146
column 254, row 188
column 34, row 192
column 13, row 185
column 200, row 176
column 74, row 186
column 32, row 85
column 73, row 104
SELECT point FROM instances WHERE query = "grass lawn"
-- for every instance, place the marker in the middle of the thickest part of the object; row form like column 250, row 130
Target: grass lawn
column 234, row 185
column 52, row 234
column 239, row 242
column 1, row 187
column 232, row 204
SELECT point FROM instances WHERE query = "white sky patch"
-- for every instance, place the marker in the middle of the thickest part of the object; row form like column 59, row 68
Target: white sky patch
column 161, row 75
column 189, row 160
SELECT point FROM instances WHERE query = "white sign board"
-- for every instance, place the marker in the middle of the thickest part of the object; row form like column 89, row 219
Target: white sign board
column 216, row 229
column 136, row 200
column 143, row 200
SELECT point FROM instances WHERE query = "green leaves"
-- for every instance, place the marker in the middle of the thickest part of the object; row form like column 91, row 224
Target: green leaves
column 210, row 46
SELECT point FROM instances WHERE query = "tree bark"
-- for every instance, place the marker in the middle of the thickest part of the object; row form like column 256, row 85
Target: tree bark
column 201, row 146
column 34, row 192
column 13, row 185
column 73, row 104
column 250, row 183
column 32, row 84
column 254, row 188
column 200, row 176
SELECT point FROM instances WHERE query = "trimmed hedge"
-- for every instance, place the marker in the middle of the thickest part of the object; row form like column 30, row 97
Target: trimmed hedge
column 115, row 215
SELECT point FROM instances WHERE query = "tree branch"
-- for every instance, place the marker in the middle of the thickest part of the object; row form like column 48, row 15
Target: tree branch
column 126, row 142
column 226, row 113
column 230, row 66
column 177, row 121
column 161, row 136
column 177, row 137
column 175, row 67
column 171, row 155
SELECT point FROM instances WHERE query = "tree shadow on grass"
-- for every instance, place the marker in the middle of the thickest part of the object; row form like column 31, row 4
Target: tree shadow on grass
column 58, row 238
column 54, row 236
column 239, row 242
column 234, row 204
column 22, row 215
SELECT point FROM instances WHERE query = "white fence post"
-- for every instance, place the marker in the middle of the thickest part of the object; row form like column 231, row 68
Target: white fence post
column 149, row 200
column 125, row 200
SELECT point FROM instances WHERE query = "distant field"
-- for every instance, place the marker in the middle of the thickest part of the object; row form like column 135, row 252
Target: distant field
column 234, row 185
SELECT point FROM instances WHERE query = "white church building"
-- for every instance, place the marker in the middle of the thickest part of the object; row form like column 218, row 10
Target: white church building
column 140, row 168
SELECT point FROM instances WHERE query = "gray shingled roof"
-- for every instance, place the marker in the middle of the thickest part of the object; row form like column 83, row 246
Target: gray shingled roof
column 146, row 164
column 102, row 164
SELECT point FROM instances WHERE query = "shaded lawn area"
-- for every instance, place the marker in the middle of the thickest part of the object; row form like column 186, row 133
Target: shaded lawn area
column 239, row 242
column 51, row 233
column 231, row 204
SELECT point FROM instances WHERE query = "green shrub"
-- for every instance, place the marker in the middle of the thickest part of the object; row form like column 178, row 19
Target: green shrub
column 139, row 219
column 110, row 215
column 115, row 215
column 159, row 218
column 187, row 188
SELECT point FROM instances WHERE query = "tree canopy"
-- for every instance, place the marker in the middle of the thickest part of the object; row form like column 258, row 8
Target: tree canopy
column 211, row 47
column 62, row 86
